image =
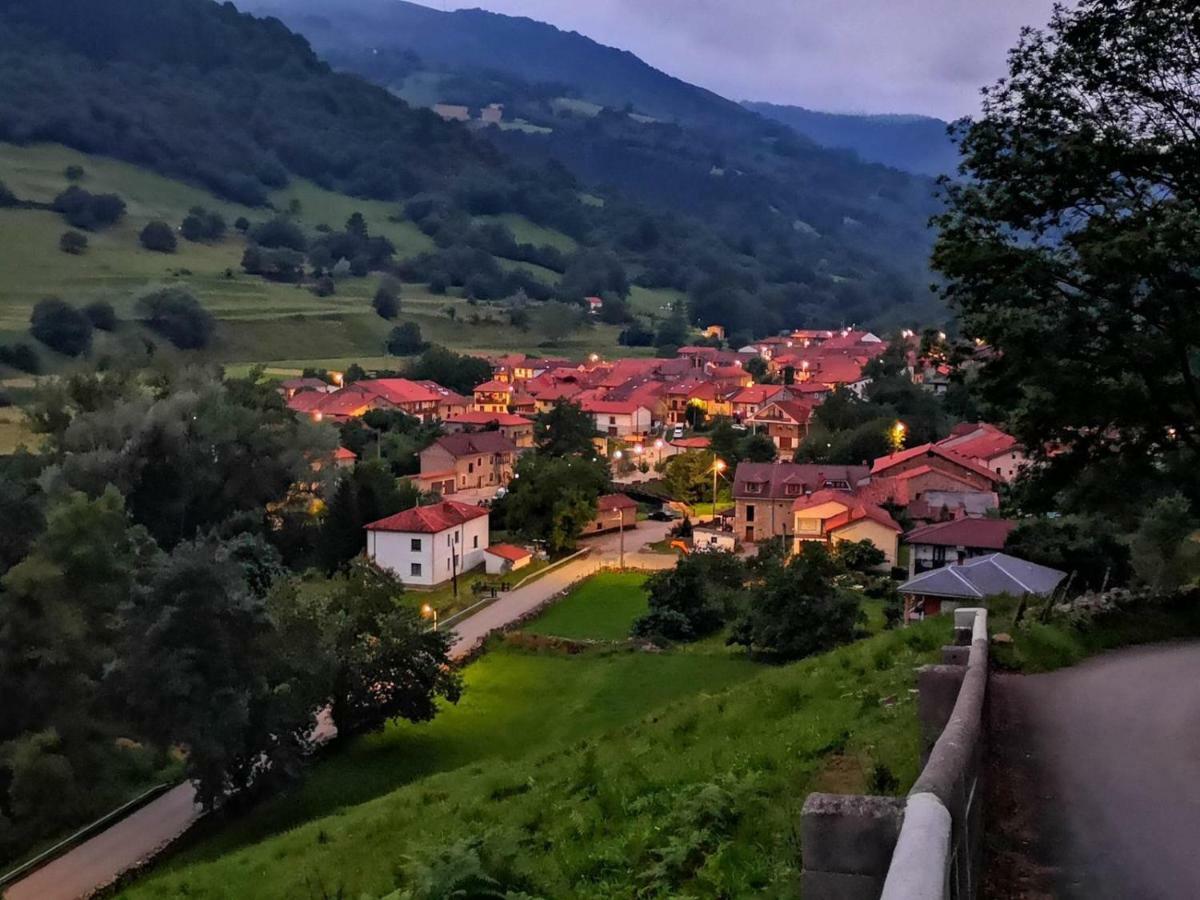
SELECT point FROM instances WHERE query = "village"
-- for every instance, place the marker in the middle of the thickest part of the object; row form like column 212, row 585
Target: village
column 924, row 507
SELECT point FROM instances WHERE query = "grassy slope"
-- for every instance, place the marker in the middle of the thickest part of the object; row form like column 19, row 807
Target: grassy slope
column 700, row 795
column 259, row 321
column 601, row 609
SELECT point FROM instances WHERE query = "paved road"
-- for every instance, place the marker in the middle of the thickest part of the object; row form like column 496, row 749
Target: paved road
column 1108, row 757
column 101, row 859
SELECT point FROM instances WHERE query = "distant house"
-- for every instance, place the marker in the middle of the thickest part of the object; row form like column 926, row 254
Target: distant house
column 785, row 422
column 835, row 516
column 764, row 493
column 594, row 304
column 989, row 446
column 941, row 506
column 344, row 459
column 974, row 581
column 428, row 545
column 492, row 113
column 466, row 461
column 707, row 540
column 517, row 429
column 618, row 418
column 494, row 396
column 451, row 112
column 746, row 402
column 954, row 542
column 293, row 386
column 900, row 478
column 614, row 512
column 421, row 399
column 500, row 559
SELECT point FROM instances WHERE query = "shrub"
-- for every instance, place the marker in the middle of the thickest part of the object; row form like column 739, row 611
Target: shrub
column 102, row 315
column 324, row 287
column 61, row 327
column 73, row 173
column 279, row 233
column 405, row 340
column 21, row 356
column 73, row 242
column 159, row 237
column 178, row 316
column 242, row 224
column 387, row 299
column 202, row 225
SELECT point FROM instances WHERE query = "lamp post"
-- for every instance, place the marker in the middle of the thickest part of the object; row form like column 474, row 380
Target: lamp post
column 718, row 468
column 620, row 514
column 427, row 611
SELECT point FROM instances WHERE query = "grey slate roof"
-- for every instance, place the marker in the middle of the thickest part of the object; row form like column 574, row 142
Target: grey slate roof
column 986, row 576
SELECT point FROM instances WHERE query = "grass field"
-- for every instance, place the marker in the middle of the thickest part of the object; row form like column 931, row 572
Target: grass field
column 601, row 774
column 600, row 609
column 14, row 432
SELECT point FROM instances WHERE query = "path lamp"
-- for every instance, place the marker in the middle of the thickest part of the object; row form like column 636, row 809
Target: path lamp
column 717, row 469
column 428, row 611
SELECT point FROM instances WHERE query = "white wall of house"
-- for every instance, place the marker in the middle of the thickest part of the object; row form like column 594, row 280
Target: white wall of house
column 1006, row 465
column 621, row 424
column 425, row 560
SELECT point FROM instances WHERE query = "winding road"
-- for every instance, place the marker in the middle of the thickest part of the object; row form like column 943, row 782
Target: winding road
column 102, row 859
column 1102, row 764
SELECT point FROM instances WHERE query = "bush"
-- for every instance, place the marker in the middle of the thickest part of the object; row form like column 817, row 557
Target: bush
column 88, row 211
column 61, row 327
column 279, row 233
column 73, row 173
column 202, row 225
column 159, row 237
column 242, row 224
column 324, row 287
column 21, row 356
column 387, row 299
column 178, row 316
column 405, row 340
column 73, row 242
column 102, row 315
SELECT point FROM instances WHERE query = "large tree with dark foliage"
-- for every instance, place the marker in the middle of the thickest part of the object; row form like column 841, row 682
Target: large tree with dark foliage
column 61, row 327
column 1071, row 248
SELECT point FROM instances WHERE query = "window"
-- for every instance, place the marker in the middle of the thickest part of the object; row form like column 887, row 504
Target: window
column 612, row 420
column 749, row 512
column 475, row 542
column 809, row 525
column 415, row 570
column 792, row 490
column 415, row 545
column 470, row 468
column 754, row 487
column 456, row 537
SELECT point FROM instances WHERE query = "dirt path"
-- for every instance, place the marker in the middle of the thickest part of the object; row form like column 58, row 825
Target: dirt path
column 1095, row 779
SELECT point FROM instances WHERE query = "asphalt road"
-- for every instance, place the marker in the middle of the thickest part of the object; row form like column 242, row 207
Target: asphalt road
column 100, row 860
column 1107, row 756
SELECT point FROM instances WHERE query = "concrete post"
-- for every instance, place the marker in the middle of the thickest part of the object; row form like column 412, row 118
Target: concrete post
column 847, row 845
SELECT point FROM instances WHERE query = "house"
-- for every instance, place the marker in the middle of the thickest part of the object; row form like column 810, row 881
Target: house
column 974, row 581
column 833, row 516
column 517, row 429
column 715, row 331
column 954, row 542
column 764, row 493
column 594, row 304
column 618, row 418
column 941, row 506
column 900, row 478
column 293, row 386
column 746, row 402
column 493, row 396
column 785, row 422
column 465, row 461
column 614, row 512
column 428, row 545
column 419, row 399
column 492, row 114
column 339, row 406
column 344, row 458
column 708, row 396
column 708, row 540
column 452, row 112
column 447, row 403
column 500, row 559
column 989, row 446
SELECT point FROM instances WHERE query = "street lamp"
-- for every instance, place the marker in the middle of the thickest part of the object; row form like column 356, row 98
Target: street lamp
column 428, row 611
column 717, row 469
column 896, row 435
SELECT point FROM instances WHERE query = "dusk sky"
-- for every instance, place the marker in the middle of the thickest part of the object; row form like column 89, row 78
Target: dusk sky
column 874, row 56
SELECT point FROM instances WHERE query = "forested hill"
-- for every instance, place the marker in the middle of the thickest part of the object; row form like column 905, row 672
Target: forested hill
column 912, row 143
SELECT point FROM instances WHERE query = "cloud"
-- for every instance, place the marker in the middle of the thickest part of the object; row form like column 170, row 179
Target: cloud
column 904, row 56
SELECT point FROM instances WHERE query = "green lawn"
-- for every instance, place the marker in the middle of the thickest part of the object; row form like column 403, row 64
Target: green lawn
column 600, row 609
column 14, row 432
column 610, row 773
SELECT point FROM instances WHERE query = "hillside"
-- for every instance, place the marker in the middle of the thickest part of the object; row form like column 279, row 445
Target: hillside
column 912, row 143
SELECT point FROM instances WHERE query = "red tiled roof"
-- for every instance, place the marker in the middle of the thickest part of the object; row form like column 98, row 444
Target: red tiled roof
column 986, row 534
column 857, row 513
column 493, row 387
column 469, row 444
column 796, row 410
column 304, row 384
column 984, row 446
column 472, row 417
column 343, row 453
column 757, row 393
column 776, row 476
column 429, row 519
column 883, row 463
column 510, row 552
column 612, row 407
column 609, row 502
column 692, row 443
column 398, row 390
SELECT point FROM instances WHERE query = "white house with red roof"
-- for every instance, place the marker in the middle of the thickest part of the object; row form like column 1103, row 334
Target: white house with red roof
column 954, row 542
column 428, row 545
column 619, row 418
column 614, row 512
column 500, row 559
column 989, row 446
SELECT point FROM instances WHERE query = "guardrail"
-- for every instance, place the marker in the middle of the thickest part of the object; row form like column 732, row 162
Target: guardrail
column 926, row 846
column 83, row 834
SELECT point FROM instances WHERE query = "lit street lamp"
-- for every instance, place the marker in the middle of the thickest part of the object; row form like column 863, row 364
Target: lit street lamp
column 717, row 469
column 428, row 611
column 896, row 435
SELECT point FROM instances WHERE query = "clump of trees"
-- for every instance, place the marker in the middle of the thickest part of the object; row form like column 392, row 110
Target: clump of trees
column 552, row 498
column 406, row 340
column 694, row 599
column 202, row 225
column 73, row 243
column 159, row 237
column 61, row 327
column 91, row 212
column 177, row 315
column 386, row 301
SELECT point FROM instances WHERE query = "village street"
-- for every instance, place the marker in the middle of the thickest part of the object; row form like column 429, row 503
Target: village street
column 101, row 859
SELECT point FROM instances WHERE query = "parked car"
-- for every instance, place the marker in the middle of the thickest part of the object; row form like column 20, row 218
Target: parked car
column 666, row 514
column 678, row 432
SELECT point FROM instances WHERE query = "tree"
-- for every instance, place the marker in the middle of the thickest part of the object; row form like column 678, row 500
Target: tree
column 759, row 448
column 758, row 368
column 201, row 224
column 279, row 233
column 365, row 495
column 73, row 242
column 799, row 609
column 386, row 302
column 459, row 372
column 557, row 320
column 88, row 211
column 1069, row 247
column 1164, row 551
column 564, row 430
column 1094, row 549
column 405, row 340
column 673, row 331
column 21, row 356
column 386, row 662
column 688, row 476
column 242, row 224
column 73, row 173
column 61, row 327
column 177, row 315
column 159, row 237
column 551, row 499
column 102, row 315
column 357, row 225
column 692, row 600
